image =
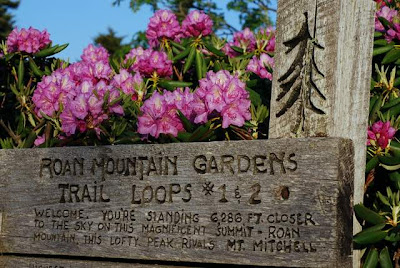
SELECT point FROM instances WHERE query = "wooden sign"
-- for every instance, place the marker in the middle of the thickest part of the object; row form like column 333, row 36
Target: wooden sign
column 279, row 202
column 37, row 262
column 322, row 75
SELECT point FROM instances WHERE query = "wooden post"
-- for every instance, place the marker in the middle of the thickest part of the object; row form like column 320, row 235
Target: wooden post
column 322, row 74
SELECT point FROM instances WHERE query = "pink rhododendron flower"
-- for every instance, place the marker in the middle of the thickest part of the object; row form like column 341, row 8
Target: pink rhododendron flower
column 236, row 113
column 187, row 102
column 159, row 117
column 52, row 91
column 39, row 140
column 226, row 94
column 92, row 54
column 129, row 84
column 386, row 13
column 80, row 89
column 244, row 39
column 149, row 62
column 163, row 24
column 393, row 33
column 262, row 66
column 27, row 40
column 197, row 23
column 380, row 134
column 266, row 38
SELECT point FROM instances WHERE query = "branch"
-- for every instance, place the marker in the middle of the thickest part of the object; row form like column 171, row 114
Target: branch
column 261, row 4
column 16, row 138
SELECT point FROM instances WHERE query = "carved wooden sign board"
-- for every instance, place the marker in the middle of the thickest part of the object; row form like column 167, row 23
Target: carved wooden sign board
column 280, row 202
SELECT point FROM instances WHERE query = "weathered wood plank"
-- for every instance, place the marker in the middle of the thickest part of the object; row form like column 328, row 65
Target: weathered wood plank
column 279, row 202
column 326, row 92
column 36, row 262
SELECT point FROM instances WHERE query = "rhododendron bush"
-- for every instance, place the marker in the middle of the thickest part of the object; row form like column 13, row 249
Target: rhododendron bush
column 188, row 85
column 380, row 213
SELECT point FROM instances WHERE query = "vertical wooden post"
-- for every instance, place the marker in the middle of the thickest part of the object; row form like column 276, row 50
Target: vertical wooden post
column 322, row 75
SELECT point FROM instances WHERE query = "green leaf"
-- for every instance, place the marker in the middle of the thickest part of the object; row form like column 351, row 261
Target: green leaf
column 390, row 168
column 214, row 50
column 394, row 111
column 30, row 140
column 384, row 22
column 199, row 65
column 391, row 103
column 372, row 102
column 46, row 52
column 200, row 132
column 251, row 83
column 380, row 42
column 186, row 123
column 237, row 49
column 255, row 98
column 368, row 215
column 377, row 106
column 381, row 50
column 115, row 101
column 378, row 34
column 372, row 259
column 21, row 73
column 369, row 237
column 60, row 48
column 217, row 66
column 383, row 198
column 389, row 160
column 174, row 84
column 179, row 46
column 384, row 259
column 393, row 236
column 374, row 228
column 372, row 163
column 395, row 178
column 35, row 69
column 391, row 56
column 183, row 54
column 189, row 59
column 114, row 64
column 8, row 57
column 246, row 56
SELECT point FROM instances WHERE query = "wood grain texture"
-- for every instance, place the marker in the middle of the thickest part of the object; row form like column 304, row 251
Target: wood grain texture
column 284, row 202
column 37, row 262
column 344, row 30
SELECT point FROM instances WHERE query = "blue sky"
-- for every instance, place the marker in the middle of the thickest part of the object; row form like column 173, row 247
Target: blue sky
column 78, row 22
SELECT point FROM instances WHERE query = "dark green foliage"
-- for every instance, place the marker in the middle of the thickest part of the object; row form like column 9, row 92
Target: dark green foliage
column 6, row 19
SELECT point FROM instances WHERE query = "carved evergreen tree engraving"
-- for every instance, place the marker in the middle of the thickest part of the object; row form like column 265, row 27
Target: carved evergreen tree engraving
column 298, row 80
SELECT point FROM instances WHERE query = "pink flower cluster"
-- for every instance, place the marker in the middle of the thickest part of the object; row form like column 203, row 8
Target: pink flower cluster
column 390, row 15
column 266, row 38
column 27, row 40
column 149, row 62
column 219, row 94
column 128, row 83
column 380, row 134
column 262, row 66
column 163, row 24
column 246, row 40
column 78, row 93
column 226, row 95
column 197, row 23
column 159, row 117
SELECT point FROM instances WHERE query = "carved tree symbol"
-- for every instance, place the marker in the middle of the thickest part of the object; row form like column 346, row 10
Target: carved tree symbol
column 299, row 78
